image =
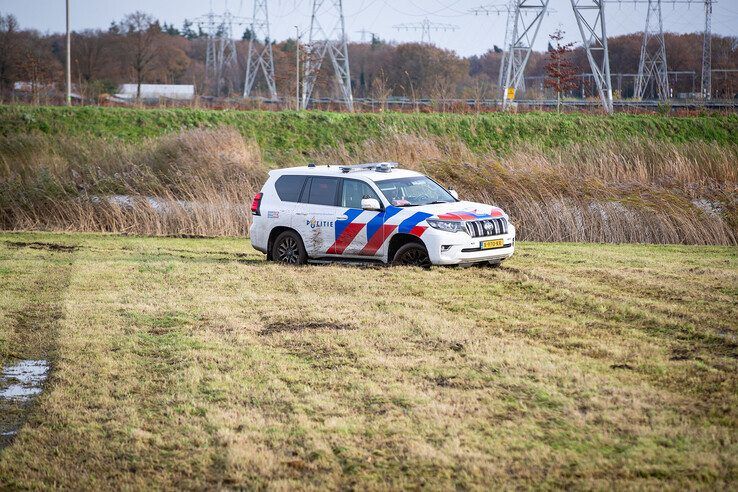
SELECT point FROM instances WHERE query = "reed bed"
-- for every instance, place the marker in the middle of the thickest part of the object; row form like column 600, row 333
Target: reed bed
column 200, row 182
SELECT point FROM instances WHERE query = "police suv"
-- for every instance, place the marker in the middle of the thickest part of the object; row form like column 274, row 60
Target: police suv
column 374, row 212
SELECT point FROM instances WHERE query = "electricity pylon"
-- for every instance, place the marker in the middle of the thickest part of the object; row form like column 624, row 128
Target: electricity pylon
column 425, row 27
column 707, row 52
column 331, row 42
column 511, row 9
column 523, row 32
column 364, row 32
column 220, row 54
column 260, row 58
column 590, row 15
column 652, row 65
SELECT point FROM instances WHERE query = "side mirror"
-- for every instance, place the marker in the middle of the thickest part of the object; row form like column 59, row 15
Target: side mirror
column 453, row 193
column 370, row 204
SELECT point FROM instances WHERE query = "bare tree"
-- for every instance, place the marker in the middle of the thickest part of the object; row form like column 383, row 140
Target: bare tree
column 480, row 90
column 142, row 34
column 9, row 41
column 381, row 89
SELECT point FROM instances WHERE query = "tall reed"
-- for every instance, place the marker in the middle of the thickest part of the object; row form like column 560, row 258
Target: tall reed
column 201, row 182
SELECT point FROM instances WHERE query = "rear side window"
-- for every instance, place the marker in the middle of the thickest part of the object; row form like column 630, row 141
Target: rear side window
column 289, row 187
column 322, row 191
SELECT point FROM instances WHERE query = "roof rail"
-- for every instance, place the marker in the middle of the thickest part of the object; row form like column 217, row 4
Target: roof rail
column 380, row 167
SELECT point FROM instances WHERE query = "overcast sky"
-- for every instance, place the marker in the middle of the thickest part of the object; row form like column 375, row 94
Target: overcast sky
column 476, row 34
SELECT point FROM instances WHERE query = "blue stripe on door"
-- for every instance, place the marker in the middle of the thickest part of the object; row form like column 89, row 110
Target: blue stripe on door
column 378, row 221
column 351, row 215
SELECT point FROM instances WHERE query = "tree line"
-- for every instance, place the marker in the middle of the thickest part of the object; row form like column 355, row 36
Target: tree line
column 140, row 49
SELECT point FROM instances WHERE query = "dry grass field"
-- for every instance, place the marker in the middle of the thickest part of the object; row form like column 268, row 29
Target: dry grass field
column 184, row 363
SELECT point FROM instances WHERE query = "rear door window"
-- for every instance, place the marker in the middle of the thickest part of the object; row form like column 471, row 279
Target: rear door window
column 322, row 191
column 289, row 187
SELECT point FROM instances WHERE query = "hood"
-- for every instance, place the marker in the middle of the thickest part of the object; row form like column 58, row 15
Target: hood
column 462, row 210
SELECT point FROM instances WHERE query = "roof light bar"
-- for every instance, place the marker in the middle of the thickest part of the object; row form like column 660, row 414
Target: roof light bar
column 380, row 167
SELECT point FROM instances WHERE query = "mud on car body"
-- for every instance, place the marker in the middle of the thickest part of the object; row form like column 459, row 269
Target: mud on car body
column 374, row 212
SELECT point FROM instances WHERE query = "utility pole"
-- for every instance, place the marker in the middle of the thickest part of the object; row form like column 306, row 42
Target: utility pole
column 69, row 61
column 260, row 59
column 297, row 68
column 590, row 15
column 332, row 42
column 652, row 66
column 707, row 53
column 425, row 27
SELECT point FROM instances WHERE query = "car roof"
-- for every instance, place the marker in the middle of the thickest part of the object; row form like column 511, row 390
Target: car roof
column 337, row 171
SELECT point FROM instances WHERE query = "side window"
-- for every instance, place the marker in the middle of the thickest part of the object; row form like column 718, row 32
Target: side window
column 354, row 191
column 323, row 191
column 289, row 188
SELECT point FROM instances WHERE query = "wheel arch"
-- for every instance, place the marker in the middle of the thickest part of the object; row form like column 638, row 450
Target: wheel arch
column 398, row 241
column 273, row 234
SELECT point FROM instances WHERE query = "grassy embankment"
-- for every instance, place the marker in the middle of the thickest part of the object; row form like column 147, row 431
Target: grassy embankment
column 625, row 178
column 192, row 364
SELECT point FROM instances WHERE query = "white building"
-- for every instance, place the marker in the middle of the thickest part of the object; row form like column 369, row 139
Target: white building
column 156, row 91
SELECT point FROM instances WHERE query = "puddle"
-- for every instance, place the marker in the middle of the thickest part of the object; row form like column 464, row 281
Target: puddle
column 20, row 384
column 25, row 378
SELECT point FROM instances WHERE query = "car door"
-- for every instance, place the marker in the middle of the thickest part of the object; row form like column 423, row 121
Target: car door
column 315, row 215
column 359, row 233
column 350, row 233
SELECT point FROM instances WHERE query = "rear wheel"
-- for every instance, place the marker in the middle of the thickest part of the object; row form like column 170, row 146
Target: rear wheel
column 412, row 254
column 288, row 249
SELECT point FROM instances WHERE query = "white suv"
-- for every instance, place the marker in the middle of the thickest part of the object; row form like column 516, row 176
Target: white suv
column 374, row 212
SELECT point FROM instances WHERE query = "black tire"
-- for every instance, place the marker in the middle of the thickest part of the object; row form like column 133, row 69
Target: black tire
column 412, row 254
column 288, row 249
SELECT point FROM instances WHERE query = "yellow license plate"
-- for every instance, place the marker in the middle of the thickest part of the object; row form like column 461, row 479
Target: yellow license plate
column 495, row 243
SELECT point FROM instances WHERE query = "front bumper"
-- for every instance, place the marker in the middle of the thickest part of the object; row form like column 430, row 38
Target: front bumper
column 446, row 248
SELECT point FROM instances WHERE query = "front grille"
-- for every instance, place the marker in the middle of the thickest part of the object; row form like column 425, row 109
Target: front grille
column 488, row 227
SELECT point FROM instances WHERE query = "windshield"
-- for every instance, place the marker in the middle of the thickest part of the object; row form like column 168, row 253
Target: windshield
column 414, row 191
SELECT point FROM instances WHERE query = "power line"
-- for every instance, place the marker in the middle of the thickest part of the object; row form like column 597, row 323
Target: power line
column 425, row 27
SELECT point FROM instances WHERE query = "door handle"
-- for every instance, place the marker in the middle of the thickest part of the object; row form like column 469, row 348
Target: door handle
column 342, row 217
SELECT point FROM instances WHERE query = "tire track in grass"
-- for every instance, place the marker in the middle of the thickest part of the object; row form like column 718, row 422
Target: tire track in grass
column 38, row 275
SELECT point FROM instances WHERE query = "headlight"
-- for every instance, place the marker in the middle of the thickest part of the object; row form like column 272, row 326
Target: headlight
column 447, row 225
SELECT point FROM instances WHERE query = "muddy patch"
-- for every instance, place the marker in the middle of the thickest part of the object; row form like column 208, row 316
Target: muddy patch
column 20, row 384
column 297, row 327
column 31, row 331
column 63, row 248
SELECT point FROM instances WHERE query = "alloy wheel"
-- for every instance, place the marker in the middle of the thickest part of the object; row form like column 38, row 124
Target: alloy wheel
column 415, row 257
column 288, row 251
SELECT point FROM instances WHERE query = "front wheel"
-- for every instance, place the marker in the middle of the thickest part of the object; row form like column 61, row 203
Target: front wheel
column 412, row 254
column 288, row 249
